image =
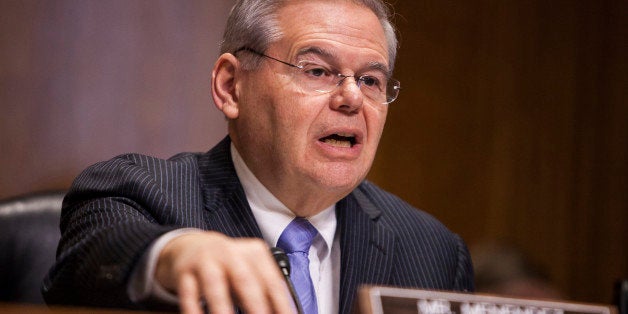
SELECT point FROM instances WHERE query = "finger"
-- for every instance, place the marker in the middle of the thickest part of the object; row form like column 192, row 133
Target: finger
column 277, row 289
column 266, row 289
column 248, row 286
column 189, row 295
column 279, row 295
column 215, row 289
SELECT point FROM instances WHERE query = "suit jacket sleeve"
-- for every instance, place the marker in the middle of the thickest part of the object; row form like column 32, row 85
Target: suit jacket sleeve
column 464, row 271
column 112, row 213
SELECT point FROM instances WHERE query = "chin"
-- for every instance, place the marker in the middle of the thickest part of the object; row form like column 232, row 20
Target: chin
column 341, row 179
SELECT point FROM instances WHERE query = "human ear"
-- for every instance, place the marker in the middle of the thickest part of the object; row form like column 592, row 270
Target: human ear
column 224, row 85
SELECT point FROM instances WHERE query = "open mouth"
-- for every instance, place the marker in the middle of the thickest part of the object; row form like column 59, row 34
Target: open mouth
column 339, row 140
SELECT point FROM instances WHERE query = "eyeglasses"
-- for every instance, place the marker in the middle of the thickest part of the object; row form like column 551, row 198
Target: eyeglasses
column 311, row 76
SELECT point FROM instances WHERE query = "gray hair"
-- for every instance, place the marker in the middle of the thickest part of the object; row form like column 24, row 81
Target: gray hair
column 253, row 24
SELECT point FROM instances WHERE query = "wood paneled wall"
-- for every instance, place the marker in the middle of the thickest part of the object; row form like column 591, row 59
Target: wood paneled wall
column 511, row 123
column 83, row 81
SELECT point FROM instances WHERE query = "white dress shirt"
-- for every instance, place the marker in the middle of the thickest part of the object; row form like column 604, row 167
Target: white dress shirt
column 272, row 217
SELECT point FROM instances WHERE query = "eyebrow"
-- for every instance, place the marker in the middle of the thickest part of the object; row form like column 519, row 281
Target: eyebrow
column 373, row 65
column 317, row 51
column 381, row 67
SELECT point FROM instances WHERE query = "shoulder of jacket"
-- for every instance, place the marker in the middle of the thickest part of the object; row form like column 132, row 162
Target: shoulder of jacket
column 397, row 212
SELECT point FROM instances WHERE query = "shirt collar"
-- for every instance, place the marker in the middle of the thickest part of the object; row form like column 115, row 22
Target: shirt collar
column 271, row 214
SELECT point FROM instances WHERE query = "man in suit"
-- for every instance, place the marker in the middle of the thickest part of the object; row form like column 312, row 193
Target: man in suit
column 305, row 86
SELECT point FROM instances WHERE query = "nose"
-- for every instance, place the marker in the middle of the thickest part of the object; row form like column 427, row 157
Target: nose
column 347, row 97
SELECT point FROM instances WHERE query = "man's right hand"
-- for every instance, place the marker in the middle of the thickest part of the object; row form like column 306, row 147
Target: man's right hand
column 224, row 272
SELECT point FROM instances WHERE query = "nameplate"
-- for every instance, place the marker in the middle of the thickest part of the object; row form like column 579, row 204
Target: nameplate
column 386, row 300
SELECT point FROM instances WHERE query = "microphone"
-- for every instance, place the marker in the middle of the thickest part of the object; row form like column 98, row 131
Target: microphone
column 284, row 265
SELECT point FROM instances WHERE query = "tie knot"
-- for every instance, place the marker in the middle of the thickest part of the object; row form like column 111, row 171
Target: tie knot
column 297, row 237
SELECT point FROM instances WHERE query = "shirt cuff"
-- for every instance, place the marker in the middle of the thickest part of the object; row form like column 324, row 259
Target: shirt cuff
column 142, row 285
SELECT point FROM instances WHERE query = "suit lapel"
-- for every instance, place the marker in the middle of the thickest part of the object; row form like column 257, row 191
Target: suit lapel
column 223, row 196
column 366, row 247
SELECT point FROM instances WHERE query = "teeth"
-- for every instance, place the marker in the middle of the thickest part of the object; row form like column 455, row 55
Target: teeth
column 334, row 142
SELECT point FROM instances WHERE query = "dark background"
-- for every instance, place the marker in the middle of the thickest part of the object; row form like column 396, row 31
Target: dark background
column 511, row 124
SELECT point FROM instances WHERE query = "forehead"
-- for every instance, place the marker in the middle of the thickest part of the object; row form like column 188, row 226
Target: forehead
column 342, row 27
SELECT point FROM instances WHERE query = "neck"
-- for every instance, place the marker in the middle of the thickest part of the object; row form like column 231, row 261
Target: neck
column 306, row 204
column 303, row 200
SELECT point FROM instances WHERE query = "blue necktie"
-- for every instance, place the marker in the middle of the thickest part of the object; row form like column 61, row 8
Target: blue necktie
column 296, row 240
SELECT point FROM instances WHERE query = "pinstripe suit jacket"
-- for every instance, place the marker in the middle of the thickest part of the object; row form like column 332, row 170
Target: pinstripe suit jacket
column 115, row 209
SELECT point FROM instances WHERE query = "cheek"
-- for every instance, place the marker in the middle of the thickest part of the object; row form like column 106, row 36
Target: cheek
column 295, row 115
column 376, row 119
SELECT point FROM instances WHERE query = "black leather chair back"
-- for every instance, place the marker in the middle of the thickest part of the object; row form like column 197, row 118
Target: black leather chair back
column 29, row 235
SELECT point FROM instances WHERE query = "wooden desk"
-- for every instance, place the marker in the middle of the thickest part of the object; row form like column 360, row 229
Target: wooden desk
column 17, row 308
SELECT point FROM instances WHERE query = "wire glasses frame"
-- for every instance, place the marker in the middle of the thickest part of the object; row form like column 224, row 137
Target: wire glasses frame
column 315, row 77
